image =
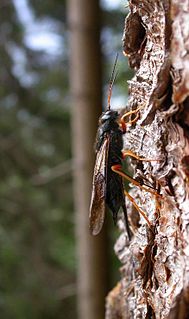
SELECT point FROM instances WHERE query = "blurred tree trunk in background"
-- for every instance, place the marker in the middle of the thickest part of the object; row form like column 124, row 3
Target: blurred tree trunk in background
column 86, row 94
column 155, row 271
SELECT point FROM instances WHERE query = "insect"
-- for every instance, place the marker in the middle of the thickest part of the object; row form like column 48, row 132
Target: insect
column 108, row 176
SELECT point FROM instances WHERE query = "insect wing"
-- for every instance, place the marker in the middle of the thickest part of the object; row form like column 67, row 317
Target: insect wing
column 97, row 207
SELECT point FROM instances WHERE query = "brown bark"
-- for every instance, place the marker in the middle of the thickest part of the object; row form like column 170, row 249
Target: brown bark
column 85, row 85
column 155, row 264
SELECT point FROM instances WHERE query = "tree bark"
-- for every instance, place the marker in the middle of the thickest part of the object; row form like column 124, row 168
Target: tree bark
column 86, row 97
column 155, row 264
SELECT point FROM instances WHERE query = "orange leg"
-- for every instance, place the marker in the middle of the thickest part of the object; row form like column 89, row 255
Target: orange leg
column 130, row 153
column 123, row 123
column 130, row 113
column 138, row 208
column 118, row 169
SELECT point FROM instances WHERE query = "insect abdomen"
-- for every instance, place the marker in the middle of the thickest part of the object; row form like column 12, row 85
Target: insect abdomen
column 115, row 195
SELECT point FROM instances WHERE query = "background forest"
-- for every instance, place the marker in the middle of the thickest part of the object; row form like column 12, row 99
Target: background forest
column 37, row 255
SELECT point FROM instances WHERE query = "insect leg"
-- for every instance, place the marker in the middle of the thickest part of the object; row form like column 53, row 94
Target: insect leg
column 130, row 153
column 118, row 169
column 138, row 208
column 130, row 113
column 123, row 122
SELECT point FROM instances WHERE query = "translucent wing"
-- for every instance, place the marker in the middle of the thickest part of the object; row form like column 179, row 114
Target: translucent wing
column 97, row 207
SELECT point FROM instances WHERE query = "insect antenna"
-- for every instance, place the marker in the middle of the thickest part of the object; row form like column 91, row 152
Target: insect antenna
column 112, row 80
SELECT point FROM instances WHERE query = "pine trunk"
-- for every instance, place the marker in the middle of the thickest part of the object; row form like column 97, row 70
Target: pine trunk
column 86, row 98
column 155, row 264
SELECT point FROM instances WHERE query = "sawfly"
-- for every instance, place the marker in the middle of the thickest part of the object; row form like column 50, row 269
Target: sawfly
column 107, row 187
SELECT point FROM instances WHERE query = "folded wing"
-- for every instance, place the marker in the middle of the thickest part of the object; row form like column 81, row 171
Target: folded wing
column 98, row 198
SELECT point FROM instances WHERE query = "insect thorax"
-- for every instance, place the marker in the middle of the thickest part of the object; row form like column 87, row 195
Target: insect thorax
column 109, row 128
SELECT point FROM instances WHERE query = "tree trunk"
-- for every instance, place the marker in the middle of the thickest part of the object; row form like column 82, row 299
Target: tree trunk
column 155, row 264
column 85, row 85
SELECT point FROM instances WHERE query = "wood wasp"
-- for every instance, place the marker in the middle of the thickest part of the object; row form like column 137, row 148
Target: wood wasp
column 108, row 175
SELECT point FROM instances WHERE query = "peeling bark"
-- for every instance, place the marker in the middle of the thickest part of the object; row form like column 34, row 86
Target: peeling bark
column 155, row 264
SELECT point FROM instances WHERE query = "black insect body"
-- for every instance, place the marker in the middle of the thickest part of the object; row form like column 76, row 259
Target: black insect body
column 108, row 174
column 107, row 184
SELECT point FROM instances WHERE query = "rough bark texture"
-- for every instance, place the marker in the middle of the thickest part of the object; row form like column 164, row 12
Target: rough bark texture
column 155, row 264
